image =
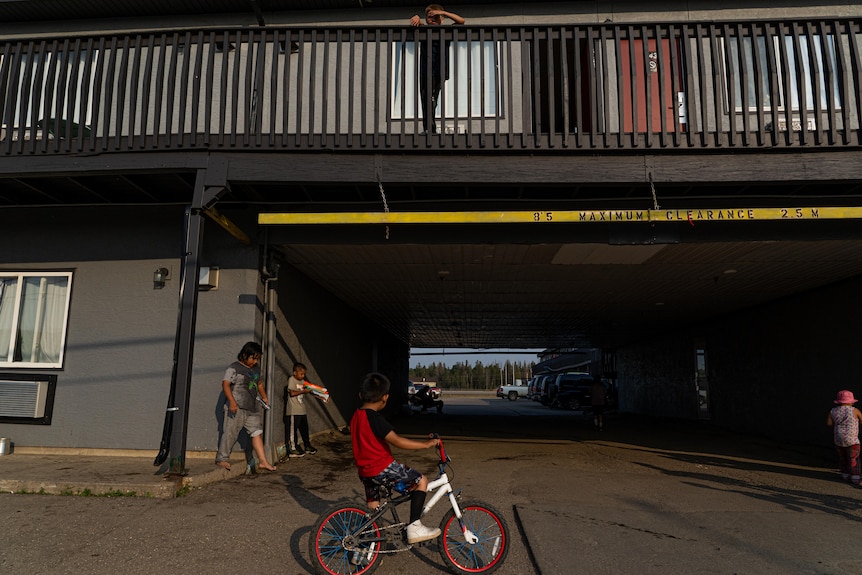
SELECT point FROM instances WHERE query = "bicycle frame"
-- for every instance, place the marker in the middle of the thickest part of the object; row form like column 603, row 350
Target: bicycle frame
column 438, row 488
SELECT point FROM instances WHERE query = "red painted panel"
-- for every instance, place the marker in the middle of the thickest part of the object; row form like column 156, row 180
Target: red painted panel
column 659, row 74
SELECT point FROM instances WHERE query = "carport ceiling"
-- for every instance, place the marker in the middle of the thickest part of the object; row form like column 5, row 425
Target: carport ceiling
column 563, row 295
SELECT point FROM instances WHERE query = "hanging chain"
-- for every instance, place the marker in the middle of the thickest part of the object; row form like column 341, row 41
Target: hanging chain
column 652, row 190
column 385, row 205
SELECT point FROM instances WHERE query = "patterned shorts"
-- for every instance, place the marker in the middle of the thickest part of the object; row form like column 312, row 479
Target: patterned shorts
column 396, row 476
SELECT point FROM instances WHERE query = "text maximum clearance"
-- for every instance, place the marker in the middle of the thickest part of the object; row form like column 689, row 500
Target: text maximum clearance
column 693, row 215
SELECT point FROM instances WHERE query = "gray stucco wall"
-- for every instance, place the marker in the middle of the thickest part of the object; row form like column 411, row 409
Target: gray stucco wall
column 113, row 387
column 337, row 345
column 773, row 371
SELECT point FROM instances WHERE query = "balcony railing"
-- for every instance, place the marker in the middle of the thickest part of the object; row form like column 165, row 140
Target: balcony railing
column 739, row 85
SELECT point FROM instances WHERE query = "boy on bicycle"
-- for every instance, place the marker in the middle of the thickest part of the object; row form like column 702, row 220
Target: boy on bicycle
column 372, row 436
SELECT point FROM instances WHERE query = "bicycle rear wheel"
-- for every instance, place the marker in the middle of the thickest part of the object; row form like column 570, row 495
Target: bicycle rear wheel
column 327, row 543
column 489, row 551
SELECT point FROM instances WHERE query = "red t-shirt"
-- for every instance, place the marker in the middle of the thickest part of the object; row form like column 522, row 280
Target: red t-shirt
column 371, row 452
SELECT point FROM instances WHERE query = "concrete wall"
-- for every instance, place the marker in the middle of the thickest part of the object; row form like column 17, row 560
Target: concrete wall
column 773, row 371
column 113, row 388
column 337, row 345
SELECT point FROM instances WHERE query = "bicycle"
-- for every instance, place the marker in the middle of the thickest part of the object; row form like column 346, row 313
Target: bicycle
column 347, row 540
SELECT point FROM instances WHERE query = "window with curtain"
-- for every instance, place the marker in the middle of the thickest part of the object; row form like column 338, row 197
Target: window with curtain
column 815, row 56
column 34, row 312
column 66, row 80
column 476, row 66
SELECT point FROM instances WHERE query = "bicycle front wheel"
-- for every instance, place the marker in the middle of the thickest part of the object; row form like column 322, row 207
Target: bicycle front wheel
column 489, row 550
column 336, row 545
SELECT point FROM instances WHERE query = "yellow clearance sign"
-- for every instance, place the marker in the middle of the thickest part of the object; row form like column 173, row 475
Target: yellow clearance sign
column 581, row 216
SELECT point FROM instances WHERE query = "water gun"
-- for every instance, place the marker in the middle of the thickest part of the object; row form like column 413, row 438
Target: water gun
column 317, row 391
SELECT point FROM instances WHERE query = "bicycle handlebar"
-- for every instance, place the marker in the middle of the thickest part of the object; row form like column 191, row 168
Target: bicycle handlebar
column 440, row 449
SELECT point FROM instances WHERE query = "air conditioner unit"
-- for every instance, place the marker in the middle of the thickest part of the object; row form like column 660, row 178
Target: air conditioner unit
column 23, row 398
column 796, row 125
column 208, row 278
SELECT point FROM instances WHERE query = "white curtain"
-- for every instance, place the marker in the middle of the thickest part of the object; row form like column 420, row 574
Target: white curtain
column 42, row 319
column 8, row 290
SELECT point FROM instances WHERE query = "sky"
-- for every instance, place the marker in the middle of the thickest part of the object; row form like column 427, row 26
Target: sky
column 451, row 356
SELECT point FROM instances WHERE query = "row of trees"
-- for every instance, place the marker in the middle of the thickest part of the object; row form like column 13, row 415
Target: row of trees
column 479, row 376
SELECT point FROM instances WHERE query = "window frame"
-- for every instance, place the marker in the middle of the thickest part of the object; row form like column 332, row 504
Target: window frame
column 15, row 325
column 745, row 46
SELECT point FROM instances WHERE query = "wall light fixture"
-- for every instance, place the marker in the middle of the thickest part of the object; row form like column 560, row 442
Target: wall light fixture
column 160, row 276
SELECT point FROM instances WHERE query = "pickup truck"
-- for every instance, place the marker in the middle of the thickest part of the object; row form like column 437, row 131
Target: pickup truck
column 512, row 392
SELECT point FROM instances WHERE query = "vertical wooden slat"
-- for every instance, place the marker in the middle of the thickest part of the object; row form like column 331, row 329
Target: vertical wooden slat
column 233, row 51
column 839, row 32
column 9, row 89
column 121, row 93
column 602, row 84
column 300, row 68
column 496, row 88
column 134, row 92
column 197, row 83
column 687, row 35
column 324, row 96
column 349, row 86
column 575, row 88
column 856, row 70
column 160, row 89
column 828, row 76
column 509, row 93
column 257, row 57
column 44, row 85
column 363, row 94
column 52, row 92
column 97, row 96
column 339, row 85
column 312, row 88
column 674, row 42
column 25, row 62
column 621, row 109
column 170, row 129
column 526, row 82
column 286, row 92
column 730, row 79
column 648, row 128
column 377, row 56
column 209, row 91
column 74, row 70
column 110, row 118
column 663, row 104
column 702, row 75
column 785, row 87
column 483, row 58
column 774, row 90
column 274, row 48
column 744, row 94
column 566, row 90
column 445, row 43
column 537, row 95
column 456, row 111
column 548, row 96
column 720, row 137
column 802, row 78
column 146, row 81
column 246, row 45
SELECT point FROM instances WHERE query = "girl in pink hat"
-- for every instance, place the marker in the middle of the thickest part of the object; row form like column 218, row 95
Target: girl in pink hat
column 844, row 420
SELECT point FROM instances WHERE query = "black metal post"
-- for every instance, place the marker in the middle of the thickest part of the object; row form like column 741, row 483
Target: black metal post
column 173, row 443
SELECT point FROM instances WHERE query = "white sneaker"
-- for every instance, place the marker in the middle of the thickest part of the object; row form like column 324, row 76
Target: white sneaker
column 416, row 532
